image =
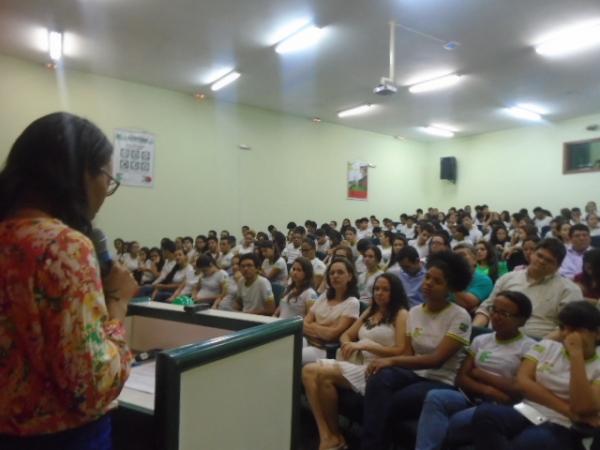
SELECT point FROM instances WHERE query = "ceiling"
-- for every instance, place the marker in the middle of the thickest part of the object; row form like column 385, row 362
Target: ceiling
column 183, row 44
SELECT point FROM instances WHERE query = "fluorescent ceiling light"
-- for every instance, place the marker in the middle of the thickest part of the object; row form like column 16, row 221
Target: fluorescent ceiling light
column 355, row 111
column 443, row 126
column 288, row 29
column 55, row 42
column 522, row 113
column 534, row 108
column 432, row 85
column 227, row 79
column 434, row 131
column 570, row 40
column 305, row 37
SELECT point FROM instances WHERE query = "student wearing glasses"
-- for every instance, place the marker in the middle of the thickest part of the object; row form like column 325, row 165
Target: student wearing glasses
column 487, row 374
column 541, row 282
column 64, row 355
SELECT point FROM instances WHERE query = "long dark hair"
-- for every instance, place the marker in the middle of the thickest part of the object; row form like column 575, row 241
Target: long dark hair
column 491, row 259
column 398, row 299
column 352, row 290
column 307, row 268
column 46, row 167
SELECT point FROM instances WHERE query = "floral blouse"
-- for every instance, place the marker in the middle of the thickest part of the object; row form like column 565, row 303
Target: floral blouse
column 62, row 361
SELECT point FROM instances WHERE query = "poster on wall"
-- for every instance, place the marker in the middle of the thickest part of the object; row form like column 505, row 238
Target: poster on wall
column 358, row 180
column 134, row 158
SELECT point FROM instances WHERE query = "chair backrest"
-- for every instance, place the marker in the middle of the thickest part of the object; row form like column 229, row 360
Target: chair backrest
column 596, row 241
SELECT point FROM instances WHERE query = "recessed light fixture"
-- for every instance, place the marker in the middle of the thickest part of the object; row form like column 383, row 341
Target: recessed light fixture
column 435, row 130
column 55, row 45
column 303, row 38
column 224, row 81
column 523, row 113
column 433, row 85
column 199, row 96
column 570, row 40
column 355, row 111
column 316, row 120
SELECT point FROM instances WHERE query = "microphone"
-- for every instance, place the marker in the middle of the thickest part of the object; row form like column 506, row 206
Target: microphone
column 105, row 259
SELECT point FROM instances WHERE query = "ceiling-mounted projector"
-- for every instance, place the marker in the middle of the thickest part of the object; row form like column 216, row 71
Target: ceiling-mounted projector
column 386, row 87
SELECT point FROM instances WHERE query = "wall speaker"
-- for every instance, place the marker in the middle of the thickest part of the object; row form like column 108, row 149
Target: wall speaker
column 448, row 168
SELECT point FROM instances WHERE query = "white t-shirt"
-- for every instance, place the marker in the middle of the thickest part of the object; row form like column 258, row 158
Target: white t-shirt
column 386, row 254
column 256, row 295
column 499, row 357
column 132, row 263
column 553, row 371
column 244, row 250
column 211, row 286
column 291, row 306
column 319, row 267
column 475, row 235
column 363, row 234
column 324, row 248
column 427, row 330
column 166, row 270
column 359, row 265
column 224, row 260
column 188, row 276
column 422, row 250
column 147, row 277
column 290, row 253
column 327, row 313
column 366, row 281
column 281, row 277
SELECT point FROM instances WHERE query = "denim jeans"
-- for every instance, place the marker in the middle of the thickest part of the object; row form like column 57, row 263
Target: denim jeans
column 501, row 427
column 392, row 394
column 445, row 417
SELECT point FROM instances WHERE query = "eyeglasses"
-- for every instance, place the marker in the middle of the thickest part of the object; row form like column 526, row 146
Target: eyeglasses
column 113, row 183
column 493, row 310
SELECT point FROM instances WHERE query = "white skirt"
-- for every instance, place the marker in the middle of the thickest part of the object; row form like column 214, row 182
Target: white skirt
column 353, row 373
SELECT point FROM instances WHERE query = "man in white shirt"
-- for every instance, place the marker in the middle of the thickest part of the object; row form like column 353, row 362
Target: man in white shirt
column 541, row 282
column 323, row 243
column 255, row 295
column 363, row 229
column 474, row 234
column 592, row 223
column 421, row 243
column 247, row 245
column 541, row 219
column 292, row 250
column 226, row 255
column 309, row 252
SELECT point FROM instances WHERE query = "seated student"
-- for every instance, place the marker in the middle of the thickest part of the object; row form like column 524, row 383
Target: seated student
column 541, row 282
column 460, row 236
column 592, row 223
column 421, row 243
column 398, row 243
column 559, row 381
column 225, row 255
column 579, row 236
column 371, row 258
column 120, row 249
column 323, row 242
column 437, row 331
column 178, row 282
column 213, row 247
column 412, row 273
column 151, row 268
column 308, row 250
column 474, row 234
column 212, row 283
column 351, row 240
column 487, row 374
column 499, row 239
column 334, row 312
column 292, row 250
column 439, row 242
column 487, row 261
column 247, row 245
column 340, row 250
column 363, row 231
column 480, row 286
column 542, row 219
column 233, row 280
column 589, row 278
column 379, row 332
column 168, row 248
column 299, row 295
column 387, row 237
column 130, row 258
column 200, row 244
column 273, row 267
column 359, row 264
column 189, row 250
column 254, row 294
column 564, row 233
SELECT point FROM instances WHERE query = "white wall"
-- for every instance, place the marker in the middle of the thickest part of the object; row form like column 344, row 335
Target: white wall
column 295, row 170
column 515, row 168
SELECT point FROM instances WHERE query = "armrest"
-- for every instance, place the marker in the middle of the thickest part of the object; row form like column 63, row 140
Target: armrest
column 331, row 348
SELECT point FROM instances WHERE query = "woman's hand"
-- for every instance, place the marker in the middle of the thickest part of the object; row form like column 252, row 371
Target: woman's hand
column 348, row 348
column 378, row 364
column 119, row 287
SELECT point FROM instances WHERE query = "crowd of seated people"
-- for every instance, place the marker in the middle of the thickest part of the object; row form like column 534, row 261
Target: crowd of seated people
column 402, row 300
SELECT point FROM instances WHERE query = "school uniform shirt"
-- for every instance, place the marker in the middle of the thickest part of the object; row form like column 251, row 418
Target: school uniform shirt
column 366, row 281
column 188, row 276
column 422, row 250
column 541, row 223
column 147, row 277
column 319, row 267
column 363, row 234
column 255, row 296
column 359, row 265
column 499, row 357
column 553, row 371
column 466, row 241
column 166, row 270
column 475, row 235
column 386, row 254
column 548, row 296
column 324, row 248
column 224, row 260
column 327, row 314
column 132, row 263
column 245, row 250
column 594, row 232
column 427, row 329
column 292, row 306
column 282, row 276
column 211, row 286
column 290, row 253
